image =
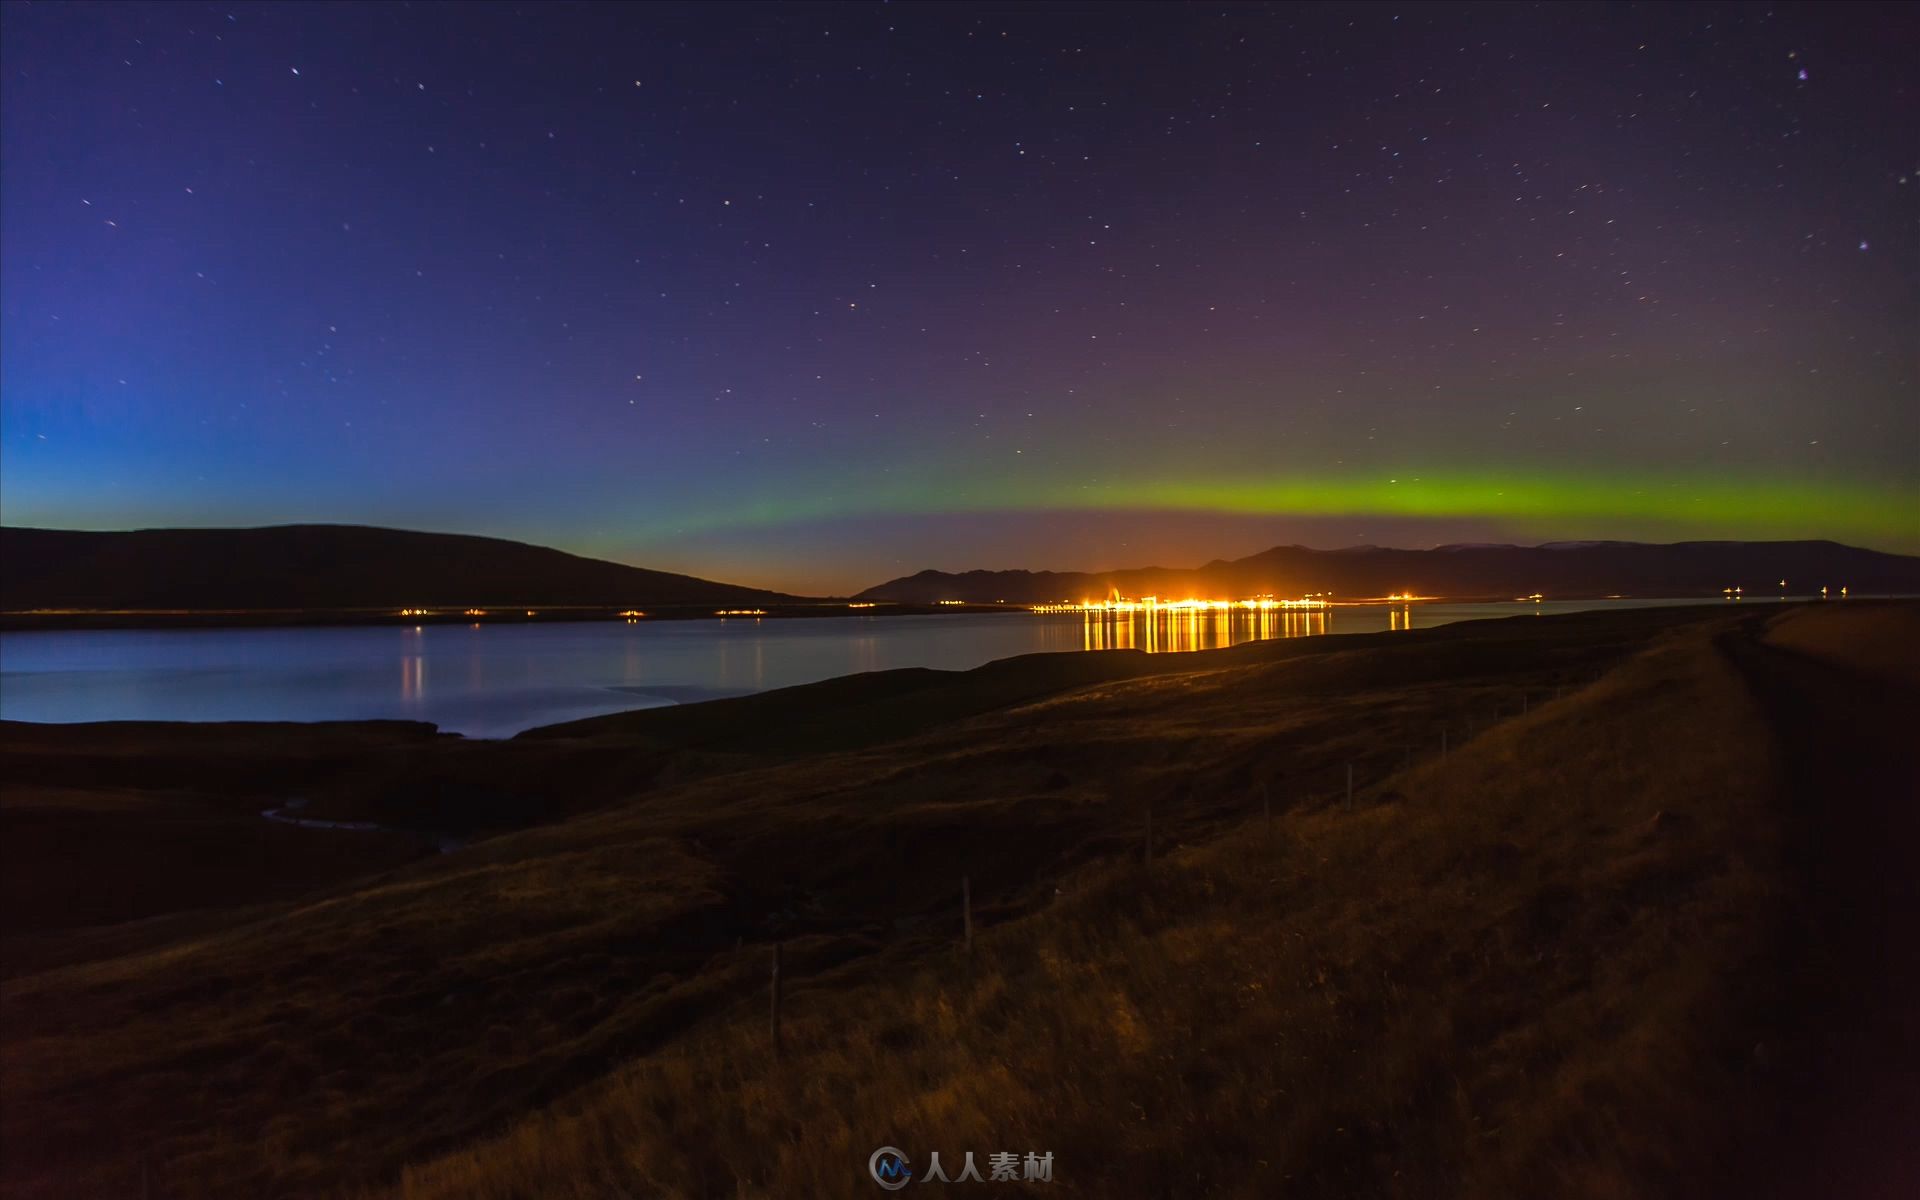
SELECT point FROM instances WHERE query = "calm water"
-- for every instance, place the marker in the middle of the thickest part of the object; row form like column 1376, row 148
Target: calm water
column 495, row 680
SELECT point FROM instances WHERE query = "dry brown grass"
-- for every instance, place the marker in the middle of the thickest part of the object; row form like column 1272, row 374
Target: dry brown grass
column 1534, row 967
column 1508, row 974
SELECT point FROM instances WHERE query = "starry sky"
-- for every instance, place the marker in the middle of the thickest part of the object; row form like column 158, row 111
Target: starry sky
column 811, row 297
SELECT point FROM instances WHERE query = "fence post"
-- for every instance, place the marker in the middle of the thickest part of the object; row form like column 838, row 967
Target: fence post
column 1266, row 809
column 1349, row 787
column 1443, row 743
column 775, row 1016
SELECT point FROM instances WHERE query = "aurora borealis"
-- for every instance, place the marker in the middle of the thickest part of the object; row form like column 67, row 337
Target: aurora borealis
column 814, row 296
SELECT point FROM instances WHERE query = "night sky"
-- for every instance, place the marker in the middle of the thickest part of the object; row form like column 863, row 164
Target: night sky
column 816, row 296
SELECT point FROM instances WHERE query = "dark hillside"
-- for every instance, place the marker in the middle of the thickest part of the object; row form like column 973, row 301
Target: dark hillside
column 322, row 567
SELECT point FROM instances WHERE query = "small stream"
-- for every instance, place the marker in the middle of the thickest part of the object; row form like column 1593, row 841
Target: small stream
column 445, row 843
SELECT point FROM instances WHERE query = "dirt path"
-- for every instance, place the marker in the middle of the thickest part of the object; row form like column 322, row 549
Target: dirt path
column 1850, row 1054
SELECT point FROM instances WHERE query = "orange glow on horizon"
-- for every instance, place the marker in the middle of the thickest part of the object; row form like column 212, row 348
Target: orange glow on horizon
column 1153, row 604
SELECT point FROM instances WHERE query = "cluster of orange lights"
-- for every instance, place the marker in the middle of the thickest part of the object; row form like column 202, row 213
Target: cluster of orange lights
column 1154, row 625
column 1154, row 604
column 741, row 612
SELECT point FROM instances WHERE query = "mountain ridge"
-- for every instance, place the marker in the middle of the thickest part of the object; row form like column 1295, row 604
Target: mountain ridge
column 1568, row 569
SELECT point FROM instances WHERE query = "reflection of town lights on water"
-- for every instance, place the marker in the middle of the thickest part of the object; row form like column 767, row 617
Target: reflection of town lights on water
column 1156, row 626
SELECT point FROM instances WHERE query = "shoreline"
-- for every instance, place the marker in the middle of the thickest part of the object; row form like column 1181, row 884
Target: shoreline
column 50, row 620
column 65, row 620
column 691, row 697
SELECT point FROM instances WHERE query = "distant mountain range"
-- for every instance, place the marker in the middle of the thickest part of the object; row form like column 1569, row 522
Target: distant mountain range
column 1557, row 569
column 323, row 567
column 342, row 567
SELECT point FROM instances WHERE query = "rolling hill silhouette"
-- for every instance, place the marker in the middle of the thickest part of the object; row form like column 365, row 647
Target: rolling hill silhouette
column 322, row 567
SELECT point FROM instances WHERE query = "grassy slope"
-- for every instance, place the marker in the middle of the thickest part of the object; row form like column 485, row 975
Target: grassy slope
column 1528, row 967
column 116, row 836
column 1511, row 973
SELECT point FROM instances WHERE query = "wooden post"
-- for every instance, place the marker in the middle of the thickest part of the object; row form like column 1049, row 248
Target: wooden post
column 1266, row 809
column 1149, row 859
column 966, row 915
column 1523, row 703
column 775, row 1018
column 1349, row 787
column 1443, row 743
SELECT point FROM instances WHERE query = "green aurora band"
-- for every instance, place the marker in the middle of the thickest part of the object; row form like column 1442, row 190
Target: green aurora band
column 1884, row 515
